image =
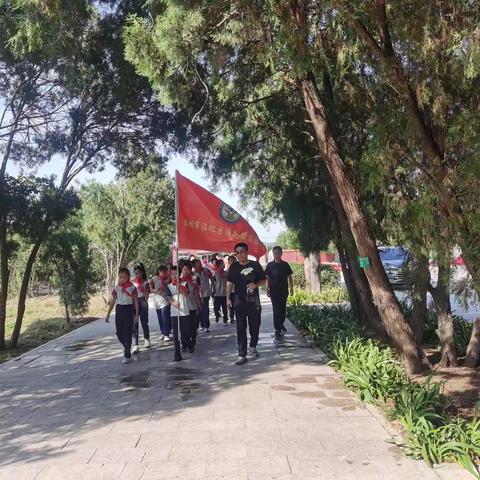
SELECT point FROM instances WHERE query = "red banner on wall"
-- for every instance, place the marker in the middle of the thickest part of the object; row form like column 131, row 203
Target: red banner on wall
column 204, row 222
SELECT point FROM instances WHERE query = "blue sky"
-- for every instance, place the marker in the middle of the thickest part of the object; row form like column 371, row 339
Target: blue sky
column 268, row 233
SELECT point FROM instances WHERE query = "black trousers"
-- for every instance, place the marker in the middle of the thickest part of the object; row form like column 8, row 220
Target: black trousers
column 279, row 304
column 124, row 325
column 194, row 323
column 143, row 314
column 247, row 313
column 220, row 303
column 205, row 313
column 231, row 310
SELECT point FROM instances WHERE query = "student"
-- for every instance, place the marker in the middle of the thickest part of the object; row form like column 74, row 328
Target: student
column 143, row 290
column 220, row 292
column 280, row 284
column 205, row 279
column 231, row 311
column 194, row 298
column 161, row 299
column 246, row 276
column 180, row 309
column 124, row 295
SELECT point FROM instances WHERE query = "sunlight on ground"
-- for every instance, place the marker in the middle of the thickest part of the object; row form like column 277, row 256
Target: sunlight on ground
column 44, row 320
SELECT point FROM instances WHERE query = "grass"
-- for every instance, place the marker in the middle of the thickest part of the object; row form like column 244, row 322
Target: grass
column 374, row 372
column 44, row 320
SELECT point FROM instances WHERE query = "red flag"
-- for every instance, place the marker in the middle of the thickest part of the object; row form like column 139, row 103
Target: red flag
column 204, row 222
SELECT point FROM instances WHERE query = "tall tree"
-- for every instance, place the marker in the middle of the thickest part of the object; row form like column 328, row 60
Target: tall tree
column 240, row 57
column 132, row 220
column 103, row 111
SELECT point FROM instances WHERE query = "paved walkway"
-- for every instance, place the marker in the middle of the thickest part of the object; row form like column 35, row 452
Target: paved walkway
column 71, row 410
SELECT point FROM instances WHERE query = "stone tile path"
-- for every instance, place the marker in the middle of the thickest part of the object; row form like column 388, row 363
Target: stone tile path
column 71, row 410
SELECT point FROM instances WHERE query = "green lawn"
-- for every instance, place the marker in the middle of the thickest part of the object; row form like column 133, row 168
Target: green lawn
column 44, row 320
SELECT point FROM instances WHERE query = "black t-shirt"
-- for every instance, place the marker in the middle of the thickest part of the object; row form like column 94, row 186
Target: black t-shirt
column 278, row 273
column 242, row 275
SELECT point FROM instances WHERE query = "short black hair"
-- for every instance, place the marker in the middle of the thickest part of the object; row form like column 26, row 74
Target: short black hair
column 162, row 269
column 232, row 257
column 277, row 247
column 124, row 270
column 241, row 245
column 186, row 263
column 173, row 268
column 219, row 262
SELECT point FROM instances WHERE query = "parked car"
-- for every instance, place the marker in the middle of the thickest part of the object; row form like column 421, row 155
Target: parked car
column 396, row 261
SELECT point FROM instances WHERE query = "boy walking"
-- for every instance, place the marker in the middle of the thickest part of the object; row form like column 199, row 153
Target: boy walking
column 220, row 292
column 280, row 285
column 124, row 295
column 246, row 276
column 161, row 299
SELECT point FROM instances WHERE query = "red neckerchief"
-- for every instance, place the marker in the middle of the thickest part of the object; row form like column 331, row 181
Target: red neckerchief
column 222, row 273
column 140, row 285
column 124, row 286
column 182, row 288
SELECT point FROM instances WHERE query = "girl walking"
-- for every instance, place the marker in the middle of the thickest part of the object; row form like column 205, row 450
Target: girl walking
column 124, row 296
column 161, row 299
column 143, row 291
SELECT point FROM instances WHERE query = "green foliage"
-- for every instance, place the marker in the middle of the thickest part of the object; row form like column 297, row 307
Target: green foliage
column 327, row 295
column 130, row 221
column 288, row 239
column 374, row 372
column 67, row 252
column 299, row 279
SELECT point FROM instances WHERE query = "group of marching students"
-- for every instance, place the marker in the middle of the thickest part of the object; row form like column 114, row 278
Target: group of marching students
column 182, row 293
column 179, row 291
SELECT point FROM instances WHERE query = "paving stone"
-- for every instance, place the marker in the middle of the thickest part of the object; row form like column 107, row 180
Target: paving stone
column 71, row 410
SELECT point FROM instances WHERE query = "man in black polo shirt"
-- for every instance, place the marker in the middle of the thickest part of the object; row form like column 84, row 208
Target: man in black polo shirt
column 246, row 276
column 280, row 283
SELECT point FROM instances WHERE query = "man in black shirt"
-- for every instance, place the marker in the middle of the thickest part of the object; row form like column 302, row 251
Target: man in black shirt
column 246, row 276
column 280, row 284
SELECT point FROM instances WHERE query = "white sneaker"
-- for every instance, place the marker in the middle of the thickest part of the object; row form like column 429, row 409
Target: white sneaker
column 147, row 343
column 167, row 338
column 162, row 337
column 135, row 349
column 126, row 360
column 202, row 329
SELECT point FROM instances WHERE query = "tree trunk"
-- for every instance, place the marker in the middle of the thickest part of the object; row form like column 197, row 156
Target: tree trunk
column 421, row 280
column 312, row 272
column 24, row 290
column 441, row 297
column 4, row 278
column 413, row 357
column 357, row 312
column 374, row 323
column 472, row 358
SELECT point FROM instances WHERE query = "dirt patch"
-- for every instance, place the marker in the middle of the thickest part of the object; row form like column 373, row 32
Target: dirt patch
column 462, row 387
column 309, row 394
column 282, row 388
column 303, row 379
column 344, row 403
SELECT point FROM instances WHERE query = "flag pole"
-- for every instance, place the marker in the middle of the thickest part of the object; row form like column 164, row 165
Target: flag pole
column 176, row 332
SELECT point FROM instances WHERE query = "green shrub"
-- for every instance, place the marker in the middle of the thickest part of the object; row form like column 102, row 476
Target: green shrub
column 367, row 368
column 374, row 372
column 327, row 295
column 328, row 276
column 462, row 332
column 299, row 279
